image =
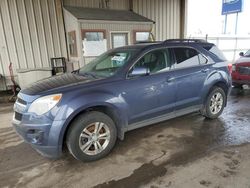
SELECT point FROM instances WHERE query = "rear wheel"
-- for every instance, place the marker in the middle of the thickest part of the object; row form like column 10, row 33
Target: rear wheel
column 91, row 136
column 215, row 103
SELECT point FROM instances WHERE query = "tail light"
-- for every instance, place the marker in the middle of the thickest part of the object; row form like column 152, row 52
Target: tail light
column 233, row 67
column 230, row 68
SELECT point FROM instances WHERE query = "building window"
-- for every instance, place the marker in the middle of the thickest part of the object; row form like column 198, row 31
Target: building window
column 119, row 39
column 72, row 44
column 93, row 35
column 141, row 36
column 94, row 42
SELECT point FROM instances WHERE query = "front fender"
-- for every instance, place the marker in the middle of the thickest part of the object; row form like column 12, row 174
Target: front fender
column 74, row 105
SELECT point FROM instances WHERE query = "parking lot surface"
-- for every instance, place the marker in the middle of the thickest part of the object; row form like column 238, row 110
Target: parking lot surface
column 188, row 151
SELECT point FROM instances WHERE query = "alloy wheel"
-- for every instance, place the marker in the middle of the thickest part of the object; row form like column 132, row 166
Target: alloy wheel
column 94, row 138
column 216, row 103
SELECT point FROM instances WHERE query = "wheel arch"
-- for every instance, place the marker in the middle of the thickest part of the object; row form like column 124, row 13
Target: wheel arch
column 220, row 84
column 111, row 111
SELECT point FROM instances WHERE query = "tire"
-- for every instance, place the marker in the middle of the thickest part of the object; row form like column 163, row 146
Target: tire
column 215, row 103
column 95, row 133
column 238, row 86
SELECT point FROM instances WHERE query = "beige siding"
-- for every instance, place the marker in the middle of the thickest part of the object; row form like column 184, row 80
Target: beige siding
column 31, row 32
column 117, row 27
column 166, row 14
column 113, row 4
column 71, row 24
column 109, row 27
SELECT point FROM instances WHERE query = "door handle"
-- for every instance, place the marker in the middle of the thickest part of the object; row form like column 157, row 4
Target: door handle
column 204, row 70
column 170, row 79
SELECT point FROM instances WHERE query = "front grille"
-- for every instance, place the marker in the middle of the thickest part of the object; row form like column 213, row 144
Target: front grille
column 18, row 116
column 244, row 70
column 21, row 101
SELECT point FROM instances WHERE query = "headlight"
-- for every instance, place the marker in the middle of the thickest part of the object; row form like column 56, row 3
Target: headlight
column 44, row 104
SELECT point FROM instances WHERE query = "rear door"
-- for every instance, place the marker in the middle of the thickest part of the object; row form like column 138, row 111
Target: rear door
column 190, row 73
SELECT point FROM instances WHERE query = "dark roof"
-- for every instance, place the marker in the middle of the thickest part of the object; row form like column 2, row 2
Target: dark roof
column 106, row 14
column 169, row 42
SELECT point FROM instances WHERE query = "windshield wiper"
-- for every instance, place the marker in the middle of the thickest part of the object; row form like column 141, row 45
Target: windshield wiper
column 89, row 74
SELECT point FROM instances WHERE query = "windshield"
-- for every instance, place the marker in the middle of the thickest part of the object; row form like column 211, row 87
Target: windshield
column 247, row 54
column 108, row 63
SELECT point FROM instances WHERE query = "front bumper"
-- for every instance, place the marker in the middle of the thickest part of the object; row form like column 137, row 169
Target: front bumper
column 240, row 79
column 38, row 136
column 247, row 82
column 44, row 132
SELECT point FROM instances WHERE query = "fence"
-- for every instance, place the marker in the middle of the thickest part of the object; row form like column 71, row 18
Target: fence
column 230, row 46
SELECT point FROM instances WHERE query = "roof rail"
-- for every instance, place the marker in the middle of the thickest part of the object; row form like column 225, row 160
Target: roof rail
column 146, row 42
column 186, row 40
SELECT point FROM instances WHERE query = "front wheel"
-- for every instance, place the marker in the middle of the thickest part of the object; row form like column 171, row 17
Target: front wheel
column 91, row 136
column 215, row 103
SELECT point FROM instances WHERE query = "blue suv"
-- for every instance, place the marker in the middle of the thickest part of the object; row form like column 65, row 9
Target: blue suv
column 121, row 90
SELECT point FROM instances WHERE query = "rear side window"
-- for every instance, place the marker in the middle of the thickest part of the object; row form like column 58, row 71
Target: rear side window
column 188, row 57
column 215, row 51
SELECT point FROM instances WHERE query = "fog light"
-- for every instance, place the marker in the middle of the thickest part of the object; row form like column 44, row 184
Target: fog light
column 35, row 136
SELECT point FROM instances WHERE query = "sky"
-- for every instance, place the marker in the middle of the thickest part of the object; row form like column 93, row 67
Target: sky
column 204, row 17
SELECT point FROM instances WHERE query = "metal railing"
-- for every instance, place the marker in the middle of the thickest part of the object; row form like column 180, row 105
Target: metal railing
column 230, row 46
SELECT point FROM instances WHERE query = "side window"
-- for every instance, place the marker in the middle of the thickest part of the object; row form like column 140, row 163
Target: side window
column 202, row 59
column 186, row 57
column 156, row 61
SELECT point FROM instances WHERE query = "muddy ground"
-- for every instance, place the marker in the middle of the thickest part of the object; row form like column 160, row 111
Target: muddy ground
column 188, row 151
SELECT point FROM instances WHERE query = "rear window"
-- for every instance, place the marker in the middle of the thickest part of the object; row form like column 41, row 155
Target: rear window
column 215, row 51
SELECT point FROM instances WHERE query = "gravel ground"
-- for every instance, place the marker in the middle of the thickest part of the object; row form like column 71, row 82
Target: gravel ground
column 188, row 151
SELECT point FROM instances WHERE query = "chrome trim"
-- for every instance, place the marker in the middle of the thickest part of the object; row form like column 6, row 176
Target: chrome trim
column 15, row 121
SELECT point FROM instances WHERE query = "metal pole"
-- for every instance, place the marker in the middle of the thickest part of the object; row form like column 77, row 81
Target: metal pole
column 236, row 23
column 225, row 25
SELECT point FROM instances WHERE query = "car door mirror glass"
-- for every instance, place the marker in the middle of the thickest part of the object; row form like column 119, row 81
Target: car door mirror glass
column 241, row 54
column 139, row 71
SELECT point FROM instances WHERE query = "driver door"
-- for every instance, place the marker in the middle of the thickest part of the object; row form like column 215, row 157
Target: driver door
column 149, row 96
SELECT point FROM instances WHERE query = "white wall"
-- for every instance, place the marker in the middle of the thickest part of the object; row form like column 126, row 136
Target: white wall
column 204, row 17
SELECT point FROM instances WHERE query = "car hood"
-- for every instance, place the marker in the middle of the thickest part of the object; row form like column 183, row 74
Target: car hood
column 55, row 82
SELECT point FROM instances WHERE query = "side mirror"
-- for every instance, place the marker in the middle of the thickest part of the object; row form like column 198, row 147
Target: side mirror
column 139, row 71
column 241, row 54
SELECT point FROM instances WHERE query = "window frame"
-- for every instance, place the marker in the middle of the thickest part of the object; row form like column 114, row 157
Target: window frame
column 135, row 31
column 84, row 31
column 111, row 33
column 72, row 34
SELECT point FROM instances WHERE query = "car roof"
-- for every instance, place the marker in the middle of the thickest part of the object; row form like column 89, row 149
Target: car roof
column 170, row 43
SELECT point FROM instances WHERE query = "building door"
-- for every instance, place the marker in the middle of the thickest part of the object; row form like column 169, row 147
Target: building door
column 119, row 39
